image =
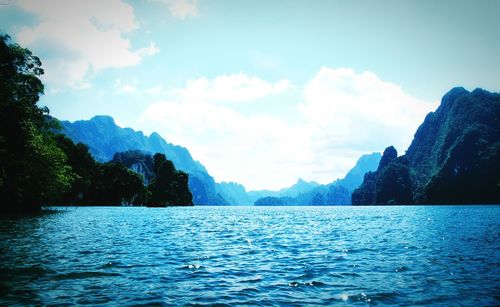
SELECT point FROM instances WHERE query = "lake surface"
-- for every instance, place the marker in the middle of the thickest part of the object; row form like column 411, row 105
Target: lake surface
column 253, row 255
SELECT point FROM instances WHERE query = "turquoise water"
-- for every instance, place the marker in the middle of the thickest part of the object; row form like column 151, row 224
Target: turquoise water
column 253, row 255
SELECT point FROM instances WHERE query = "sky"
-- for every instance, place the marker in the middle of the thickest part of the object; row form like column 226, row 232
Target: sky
column 260, row 92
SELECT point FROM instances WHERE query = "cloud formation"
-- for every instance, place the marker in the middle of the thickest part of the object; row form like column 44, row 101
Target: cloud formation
column 182, row 9
column 124, row 88
column 230, row 88
column 233, row 146
column 151, row 49
column 343, row 115
column 77, row 39
column 358, row 110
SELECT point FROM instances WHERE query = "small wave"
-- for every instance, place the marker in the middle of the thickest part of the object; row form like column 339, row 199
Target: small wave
column 111, row 264
column 250, row 290
column 380, row 297
column 361, row 297
column 315, row 283
column 82, row 275
column 388, row 297
column 350, row 274
column 250, row 252
column 402, row 269
column 85, row 252
column 95, row 301
column 253, row 280
column 191, row 266
column 334, row 275
column 26, row 271
column 307, row 284
column 360, row 250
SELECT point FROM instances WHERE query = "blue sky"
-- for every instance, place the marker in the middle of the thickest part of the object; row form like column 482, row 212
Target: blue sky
column 261, row 92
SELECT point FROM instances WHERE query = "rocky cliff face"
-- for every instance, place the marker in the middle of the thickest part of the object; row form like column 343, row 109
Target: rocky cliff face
column 454, row 157
column 138, row 161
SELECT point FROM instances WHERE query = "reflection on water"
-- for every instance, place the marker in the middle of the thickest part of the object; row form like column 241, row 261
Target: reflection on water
column 253, row 255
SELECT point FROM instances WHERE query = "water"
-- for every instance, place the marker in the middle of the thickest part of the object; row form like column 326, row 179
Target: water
column 253, row 255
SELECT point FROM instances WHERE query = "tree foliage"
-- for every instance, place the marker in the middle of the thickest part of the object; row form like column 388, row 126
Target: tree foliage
column 169, row 186
column 116, row 183
column 32, row 167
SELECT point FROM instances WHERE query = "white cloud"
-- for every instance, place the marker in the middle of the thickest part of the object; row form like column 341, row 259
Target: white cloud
column 182, row 9
column 152, row 49
column 77, row 39
column 360, row 110
column 230, row 88
column 343, row 115
column 126, row 88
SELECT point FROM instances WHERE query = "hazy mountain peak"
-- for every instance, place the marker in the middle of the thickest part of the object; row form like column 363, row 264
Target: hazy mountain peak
column 155, row 135
column 103, row 119
column 301, row 181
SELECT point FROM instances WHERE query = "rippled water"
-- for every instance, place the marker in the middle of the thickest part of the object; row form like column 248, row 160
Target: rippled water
column 253, row 255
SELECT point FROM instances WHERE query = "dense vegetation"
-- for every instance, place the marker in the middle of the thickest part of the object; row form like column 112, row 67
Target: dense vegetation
column 32, row 168
column 113, row 183
column 95, row 183
column 453, row 159
column 38, row 165
column 165, row 184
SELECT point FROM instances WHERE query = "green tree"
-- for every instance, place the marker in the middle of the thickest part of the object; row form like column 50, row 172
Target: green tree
column 115, row 185
column 32, row 167
column 169, row 186
column 83, row 168
column 393, row 185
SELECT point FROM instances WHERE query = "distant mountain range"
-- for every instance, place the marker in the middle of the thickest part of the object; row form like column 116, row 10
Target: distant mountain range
column 335, row 193
column 107, row 141
column 454, row 157
column 236, row 193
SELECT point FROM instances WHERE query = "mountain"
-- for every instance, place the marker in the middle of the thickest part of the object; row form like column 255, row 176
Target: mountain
column 301, row 186
column 335, row 193
column 354, row 177
column 104, row 138
column 454, row 157
column 234, row 193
